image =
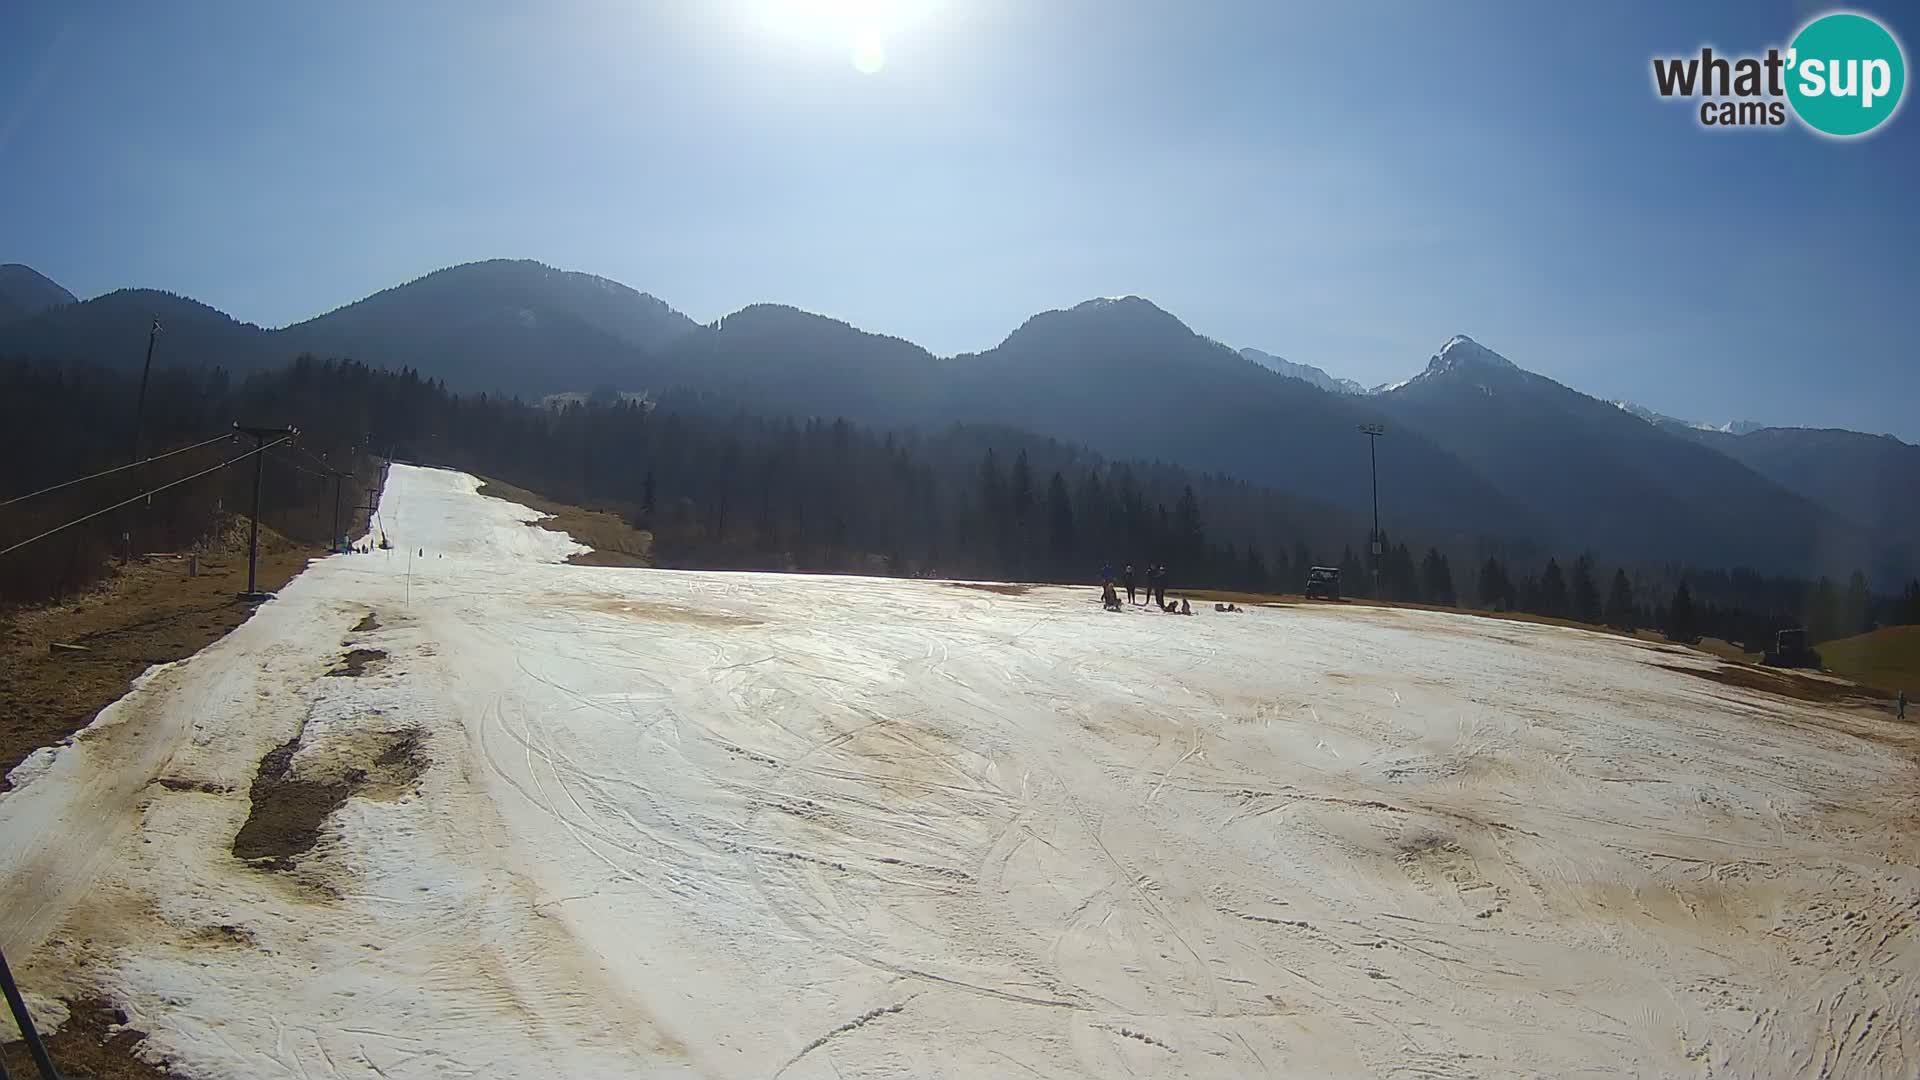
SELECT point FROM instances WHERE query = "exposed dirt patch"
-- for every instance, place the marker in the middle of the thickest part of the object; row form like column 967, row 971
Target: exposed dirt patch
column 205, row 787
column 358, row 662
column 93, row 1043
column 1797, row 687
column 614, row 541
column 225, row 934
column 290, row 805
column 1001, row 588
column 367, row 624
column 147, row 613
column 670, row 613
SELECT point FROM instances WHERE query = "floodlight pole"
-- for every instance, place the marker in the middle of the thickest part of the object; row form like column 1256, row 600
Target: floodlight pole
column 1373, row 433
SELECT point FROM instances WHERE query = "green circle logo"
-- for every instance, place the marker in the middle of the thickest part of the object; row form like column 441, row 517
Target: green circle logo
column 1845, row 73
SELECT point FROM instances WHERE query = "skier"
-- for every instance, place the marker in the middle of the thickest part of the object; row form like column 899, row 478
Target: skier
column 1126, row 578
column 1160, row 585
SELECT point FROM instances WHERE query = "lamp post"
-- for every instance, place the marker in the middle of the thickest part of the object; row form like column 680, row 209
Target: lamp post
column 1373, row 433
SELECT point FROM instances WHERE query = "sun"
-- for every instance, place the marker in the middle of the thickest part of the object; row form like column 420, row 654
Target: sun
column 862, row 27
column 869, row 52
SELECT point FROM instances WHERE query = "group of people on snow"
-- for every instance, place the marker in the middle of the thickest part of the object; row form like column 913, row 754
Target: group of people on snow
column 1155, row 586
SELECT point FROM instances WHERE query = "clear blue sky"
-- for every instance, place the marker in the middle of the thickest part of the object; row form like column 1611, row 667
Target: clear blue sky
column 1345, row 185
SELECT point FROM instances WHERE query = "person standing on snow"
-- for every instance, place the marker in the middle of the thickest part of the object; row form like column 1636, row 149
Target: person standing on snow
column 1160, row 585
column 1126, row 578
column 1902, row 706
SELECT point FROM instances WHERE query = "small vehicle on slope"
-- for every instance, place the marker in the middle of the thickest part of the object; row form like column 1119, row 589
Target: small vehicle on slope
column 1790, row 649
column 1323, row 583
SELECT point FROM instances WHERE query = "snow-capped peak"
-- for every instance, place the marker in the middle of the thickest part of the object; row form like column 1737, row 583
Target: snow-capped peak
column 1731, row 427
column 1306, row 373
column 1462, row 351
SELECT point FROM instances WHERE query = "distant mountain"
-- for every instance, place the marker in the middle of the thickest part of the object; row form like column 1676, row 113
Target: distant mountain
column 785, row 360
column 25, row 291
column 1731, row 427
column 111, row 331
column 1871, row 479
column 1126, row 378
column 1306, row 373
column 512, row 326
column 1476, row 446
column 1609, row 480
column 504, row 325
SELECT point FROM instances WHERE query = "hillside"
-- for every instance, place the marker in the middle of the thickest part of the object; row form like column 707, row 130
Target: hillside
column 513, row 326
column 1871, row 479
column 25, row 291
column 1478, row 449
column 1126, row 377
column 1608, row 480
column 111, row 331
column 811, row 827
column 1887, row 658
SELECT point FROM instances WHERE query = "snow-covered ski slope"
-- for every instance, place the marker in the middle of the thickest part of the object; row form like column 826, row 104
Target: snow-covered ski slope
column 750, row 825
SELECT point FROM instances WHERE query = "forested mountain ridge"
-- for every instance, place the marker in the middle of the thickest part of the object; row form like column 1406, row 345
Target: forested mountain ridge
column 1610, row 479
column 25, row 291
column 1477, row 447
column 1125, row 377
column 501, row 325
column 1871, row 479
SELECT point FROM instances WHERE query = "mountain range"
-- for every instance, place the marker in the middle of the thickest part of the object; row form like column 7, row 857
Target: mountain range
column 1477, row 448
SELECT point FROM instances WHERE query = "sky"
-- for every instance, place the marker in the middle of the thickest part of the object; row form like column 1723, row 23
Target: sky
column 1343, row 185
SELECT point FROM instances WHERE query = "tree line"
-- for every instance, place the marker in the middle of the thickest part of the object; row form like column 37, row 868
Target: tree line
column 721, row 487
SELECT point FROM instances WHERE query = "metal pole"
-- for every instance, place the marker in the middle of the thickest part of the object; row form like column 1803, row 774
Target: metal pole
column 1373, row 433
column 139, row 434
column 253, row 532
column 35, row 1048
column 337, row 477
column 259, row 468
column 140, row 405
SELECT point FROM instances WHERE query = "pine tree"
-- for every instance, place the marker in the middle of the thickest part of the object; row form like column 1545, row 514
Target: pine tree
column 1586, row 592
column 1401, row 576
column 1553, row 591
column 1060, row 532
column 1680, row 616
column 1620, row 611
column 646, row 495
column 1857, row 609
column 1437, row 578
column 1823, row 611
column 1021, row 487
column 1353, row 575
column 1494, row 586
column 1910, row 605
column 1188, row 534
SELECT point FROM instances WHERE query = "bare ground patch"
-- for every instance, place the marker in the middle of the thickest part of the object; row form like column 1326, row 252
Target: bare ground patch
column 613, row 540
column 668, row 613
column 291, row 805
column 1797, row 687
column 94, row 1043
column 367, row 624
column 1001, row 588
column 358, row 662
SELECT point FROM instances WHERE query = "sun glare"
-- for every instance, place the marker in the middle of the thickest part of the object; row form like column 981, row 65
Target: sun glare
column 862, row 27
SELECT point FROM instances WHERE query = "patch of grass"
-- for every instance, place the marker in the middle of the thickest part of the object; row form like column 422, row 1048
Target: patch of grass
column 1783, row 682
column 614, row 542
column 1887, row 659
